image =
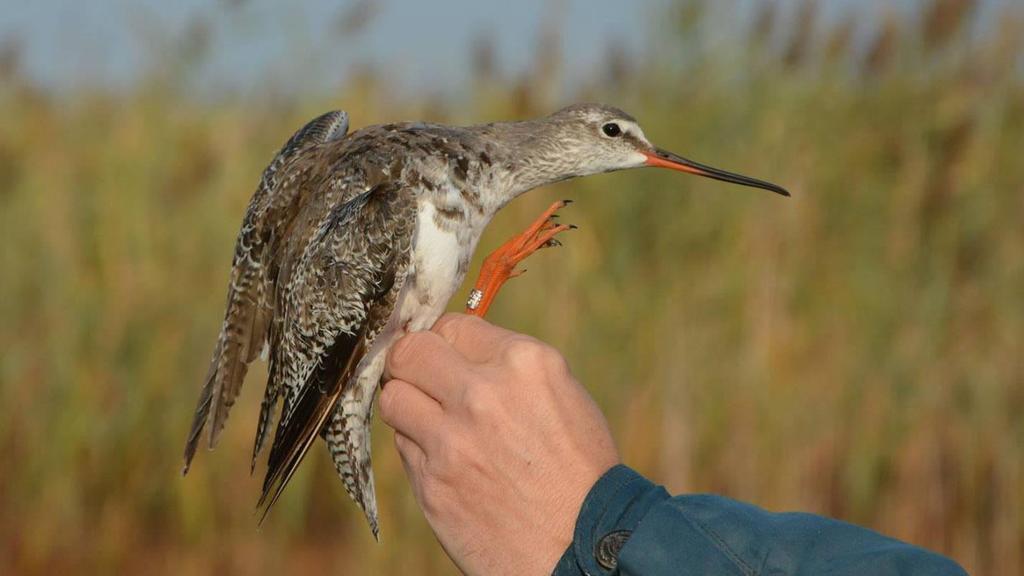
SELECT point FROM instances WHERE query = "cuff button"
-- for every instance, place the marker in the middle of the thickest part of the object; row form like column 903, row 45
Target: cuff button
column 607, row 550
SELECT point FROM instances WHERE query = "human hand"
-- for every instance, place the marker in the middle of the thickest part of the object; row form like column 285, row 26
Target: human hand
column 501, row 444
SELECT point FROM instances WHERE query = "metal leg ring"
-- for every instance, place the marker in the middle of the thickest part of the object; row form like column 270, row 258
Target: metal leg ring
column 475, row 298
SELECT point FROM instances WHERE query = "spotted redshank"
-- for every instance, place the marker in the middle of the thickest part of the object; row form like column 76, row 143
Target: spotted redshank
column 352, row 240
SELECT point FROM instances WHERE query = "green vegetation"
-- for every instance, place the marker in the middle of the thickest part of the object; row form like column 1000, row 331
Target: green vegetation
column 856, row 350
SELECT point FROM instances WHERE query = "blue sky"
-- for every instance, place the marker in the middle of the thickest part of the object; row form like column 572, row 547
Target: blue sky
column 417, row 44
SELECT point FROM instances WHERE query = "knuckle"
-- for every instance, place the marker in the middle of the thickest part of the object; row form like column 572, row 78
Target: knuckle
column 557, row 364
column 527, row 353
column 522, row 351
column 481, row 401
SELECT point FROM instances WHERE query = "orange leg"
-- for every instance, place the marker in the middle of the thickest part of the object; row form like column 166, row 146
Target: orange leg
column 500, row 265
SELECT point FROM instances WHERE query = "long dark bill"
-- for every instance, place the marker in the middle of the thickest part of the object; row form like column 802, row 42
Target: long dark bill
column 666, row 159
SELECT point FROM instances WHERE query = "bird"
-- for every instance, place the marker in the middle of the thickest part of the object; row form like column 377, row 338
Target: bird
column 352, row 240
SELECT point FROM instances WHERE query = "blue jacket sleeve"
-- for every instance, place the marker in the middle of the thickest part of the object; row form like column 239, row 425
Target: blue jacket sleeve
column 628, row 525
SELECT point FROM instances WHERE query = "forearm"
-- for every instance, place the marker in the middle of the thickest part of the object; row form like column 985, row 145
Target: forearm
column 633, row 526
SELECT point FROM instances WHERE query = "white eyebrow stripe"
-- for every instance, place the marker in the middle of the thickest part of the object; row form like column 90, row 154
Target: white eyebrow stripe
column 633, row 128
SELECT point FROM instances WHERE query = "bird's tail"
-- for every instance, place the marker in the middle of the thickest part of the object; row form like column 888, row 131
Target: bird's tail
column 348, row 439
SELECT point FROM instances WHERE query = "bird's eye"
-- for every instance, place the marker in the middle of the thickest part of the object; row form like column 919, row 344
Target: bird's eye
column 611, row 129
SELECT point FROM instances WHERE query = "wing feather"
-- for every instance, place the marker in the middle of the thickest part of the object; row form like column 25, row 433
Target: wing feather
column 337, row 300
column 247, row 314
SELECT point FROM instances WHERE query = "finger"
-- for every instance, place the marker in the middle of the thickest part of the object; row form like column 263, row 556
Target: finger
column 410, row 411
column 413, row 458
column 412, row 455
column 426, row 361
column 475, row 338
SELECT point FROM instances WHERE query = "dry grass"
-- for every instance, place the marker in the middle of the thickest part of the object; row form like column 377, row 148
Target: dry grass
column 856, row 351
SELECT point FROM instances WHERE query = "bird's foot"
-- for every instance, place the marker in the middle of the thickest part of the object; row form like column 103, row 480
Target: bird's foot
column 500, row 265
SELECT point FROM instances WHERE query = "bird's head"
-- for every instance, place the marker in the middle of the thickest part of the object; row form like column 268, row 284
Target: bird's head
column 597, row 138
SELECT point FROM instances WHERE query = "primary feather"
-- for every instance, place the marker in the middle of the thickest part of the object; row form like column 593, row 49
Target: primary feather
column 244, row 329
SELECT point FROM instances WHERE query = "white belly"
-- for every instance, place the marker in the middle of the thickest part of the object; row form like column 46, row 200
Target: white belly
column 439, row 261
column 437, row 267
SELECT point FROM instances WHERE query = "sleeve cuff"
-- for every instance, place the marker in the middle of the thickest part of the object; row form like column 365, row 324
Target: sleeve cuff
column 628, row 523
column 610, row 513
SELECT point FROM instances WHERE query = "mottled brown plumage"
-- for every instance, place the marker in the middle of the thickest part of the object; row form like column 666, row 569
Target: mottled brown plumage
column 244, row 329
column 352, row 240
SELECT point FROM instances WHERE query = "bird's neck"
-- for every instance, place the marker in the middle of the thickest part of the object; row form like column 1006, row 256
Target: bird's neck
column 528, row 155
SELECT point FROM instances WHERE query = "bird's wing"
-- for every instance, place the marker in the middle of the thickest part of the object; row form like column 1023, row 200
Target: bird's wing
column 243, row 332
column 336, row 300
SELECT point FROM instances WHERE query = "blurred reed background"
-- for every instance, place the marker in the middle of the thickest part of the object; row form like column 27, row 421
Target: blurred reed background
column 855, row 351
